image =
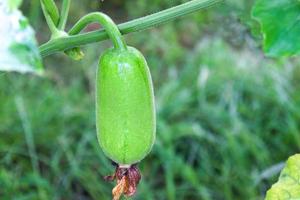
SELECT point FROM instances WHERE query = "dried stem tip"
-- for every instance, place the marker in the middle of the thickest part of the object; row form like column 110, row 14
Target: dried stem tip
column 127, row 180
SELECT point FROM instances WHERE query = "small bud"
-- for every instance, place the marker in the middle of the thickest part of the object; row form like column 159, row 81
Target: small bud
column 75, row 53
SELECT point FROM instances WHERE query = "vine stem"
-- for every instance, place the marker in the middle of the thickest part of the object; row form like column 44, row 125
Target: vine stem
column 61, row 44
column 64, row 14
column 49, row 19
column 51, row 9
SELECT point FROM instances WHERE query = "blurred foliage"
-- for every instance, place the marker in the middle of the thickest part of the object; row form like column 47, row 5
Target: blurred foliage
column 226, row 114
column 18, row 50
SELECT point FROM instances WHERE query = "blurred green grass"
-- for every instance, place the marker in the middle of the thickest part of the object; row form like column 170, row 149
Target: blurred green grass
column 226, row 114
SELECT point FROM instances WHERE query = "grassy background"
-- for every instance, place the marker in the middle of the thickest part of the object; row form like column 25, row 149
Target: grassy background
column 227, row 116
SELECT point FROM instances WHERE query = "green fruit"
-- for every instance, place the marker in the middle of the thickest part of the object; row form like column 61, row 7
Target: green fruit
column 125, row 111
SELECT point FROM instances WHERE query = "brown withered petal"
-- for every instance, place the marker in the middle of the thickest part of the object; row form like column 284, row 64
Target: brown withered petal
column 109, row 178
column 127, row 181
column 119, row 189
column 133, row 176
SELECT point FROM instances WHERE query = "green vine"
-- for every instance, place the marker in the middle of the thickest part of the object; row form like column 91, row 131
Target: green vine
column 71, row 41
column 50, row 16
column 64, row 14
column 51, row 9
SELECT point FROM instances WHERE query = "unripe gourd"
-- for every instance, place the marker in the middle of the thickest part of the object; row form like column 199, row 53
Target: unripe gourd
column 125, row 111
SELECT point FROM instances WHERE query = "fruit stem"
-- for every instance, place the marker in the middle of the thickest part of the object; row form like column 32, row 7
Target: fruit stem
column 108, row 24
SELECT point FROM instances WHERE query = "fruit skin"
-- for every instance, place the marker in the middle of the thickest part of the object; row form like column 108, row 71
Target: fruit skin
column 125, row 111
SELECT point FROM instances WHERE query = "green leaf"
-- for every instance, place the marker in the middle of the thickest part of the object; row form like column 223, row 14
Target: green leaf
column 18, row 50
column 280, row 23
column 288, row 185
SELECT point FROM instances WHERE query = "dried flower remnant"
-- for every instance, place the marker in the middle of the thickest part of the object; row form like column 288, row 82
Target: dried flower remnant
column 128, row 177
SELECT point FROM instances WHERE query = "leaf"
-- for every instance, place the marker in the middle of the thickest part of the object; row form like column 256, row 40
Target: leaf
column 288, row 185
column 18, row 49
column 280, row 24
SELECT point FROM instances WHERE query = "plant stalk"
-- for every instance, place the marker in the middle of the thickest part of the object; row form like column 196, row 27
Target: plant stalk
column 64, row 14
column 49, row 19
column 139, row 24
column 52, row 10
